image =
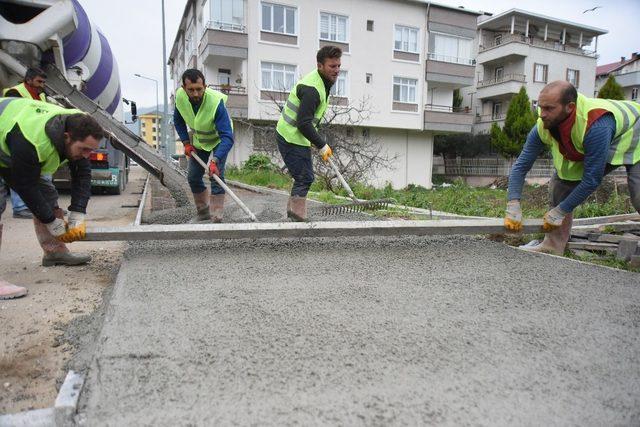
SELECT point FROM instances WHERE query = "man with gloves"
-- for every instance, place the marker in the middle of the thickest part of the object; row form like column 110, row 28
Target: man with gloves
column 36, row 138
column 588, row 138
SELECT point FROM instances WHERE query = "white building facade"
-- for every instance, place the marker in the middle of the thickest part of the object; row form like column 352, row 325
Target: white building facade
column 404, row 57
column 519, row 48
column 627, row 75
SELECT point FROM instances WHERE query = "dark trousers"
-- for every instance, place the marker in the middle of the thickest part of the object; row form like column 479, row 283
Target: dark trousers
column 300, row 166
column 559, row 189
column 195, row 173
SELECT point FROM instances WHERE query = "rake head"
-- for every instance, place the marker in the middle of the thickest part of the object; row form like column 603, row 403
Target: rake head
column 360, row 206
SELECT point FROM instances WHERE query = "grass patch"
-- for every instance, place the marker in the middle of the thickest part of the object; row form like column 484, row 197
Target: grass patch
column 606, row 260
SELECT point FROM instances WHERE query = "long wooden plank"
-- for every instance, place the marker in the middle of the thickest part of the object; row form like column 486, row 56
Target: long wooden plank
column 606, row 219
column 593, row 246
column 303, row 229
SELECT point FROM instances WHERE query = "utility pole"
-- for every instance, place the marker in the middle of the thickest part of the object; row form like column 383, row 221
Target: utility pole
column 160, row 140
column 165, row 115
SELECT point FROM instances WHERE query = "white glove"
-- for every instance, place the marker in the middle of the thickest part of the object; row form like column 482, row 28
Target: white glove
column 553, row 219
column 76, row 219
column 57, row 228
column 513, row 216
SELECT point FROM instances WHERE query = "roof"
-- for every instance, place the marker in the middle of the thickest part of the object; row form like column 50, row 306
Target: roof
column 536, row 16
column 461, row 9
column 603, row 70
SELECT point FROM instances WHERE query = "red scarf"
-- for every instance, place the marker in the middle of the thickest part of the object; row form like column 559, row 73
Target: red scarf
column 34, row 91
column 566, row 146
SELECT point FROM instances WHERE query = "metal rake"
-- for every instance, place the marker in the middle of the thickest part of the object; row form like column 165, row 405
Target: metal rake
column 357, row 205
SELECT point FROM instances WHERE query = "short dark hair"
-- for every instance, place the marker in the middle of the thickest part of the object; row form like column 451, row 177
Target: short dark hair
column 32, row 73
column 192, row 75
column 82, row 125
column 328, row 51
column 569, row 95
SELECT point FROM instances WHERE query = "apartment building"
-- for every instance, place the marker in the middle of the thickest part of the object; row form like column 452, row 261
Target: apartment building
column 626, row 73
column 519, row 48
column 150, row 128
column 404, row 57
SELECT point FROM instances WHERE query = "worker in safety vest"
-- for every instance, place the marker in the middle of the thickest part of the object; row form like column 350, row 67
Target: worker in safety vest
column 203, row 110
column 31, row 88
column 35, row 139
column 588, row 138
column 297, row 127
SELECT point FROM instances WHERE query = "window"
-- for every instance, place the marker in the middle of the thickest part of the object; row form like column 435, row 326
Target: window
column 224, row 14
column 497, row 110
column 534, row 104
column 540, row 73
column 406, row 39
column 190, row 41
column 448, row 48
column 278, row 19
column 333, row 27
column 224, row 76
column 404, row 90
column 340, row 87
column 278, row 77
column 369, row 25
column 634, row 93
column 369, row 78
column 499, row 73
column 497, row 39
column 573, row 76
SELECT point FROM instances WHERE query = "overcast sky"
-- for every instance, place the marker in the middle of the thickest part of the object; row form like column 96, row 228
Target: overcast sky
column 134, row 31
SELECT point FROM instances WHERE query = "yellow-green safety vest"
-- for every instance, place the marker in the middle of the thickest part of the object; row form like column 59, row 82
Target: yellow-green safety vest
column 287, row 123
column 24, row 92
column 31, row 116
column 205, row 134
column 625, row 147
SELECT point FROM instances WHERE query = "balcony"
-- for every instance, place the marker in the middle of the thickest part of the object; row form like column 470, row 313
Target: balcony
column 443, row 118
column 456, row 72
column 517, row 45
column 237, row 102
column 483, row 122
column 508, row 84
column 225, row 40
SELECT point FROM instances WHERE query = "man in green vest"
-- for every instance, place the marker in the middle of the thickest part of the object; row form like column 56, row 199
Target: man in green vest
column 203, row 110
column 31, row 88
column 35, row 139
column 588, row 138
column 297, row 127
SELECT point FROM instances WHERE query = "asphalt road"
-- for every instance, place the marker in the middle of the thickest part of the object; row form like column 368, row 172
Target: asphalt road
column 370, row 331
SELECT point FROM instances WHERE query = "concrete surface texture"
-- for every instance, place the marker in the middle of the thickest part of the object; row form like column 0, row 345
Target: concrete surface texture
column 367, row 331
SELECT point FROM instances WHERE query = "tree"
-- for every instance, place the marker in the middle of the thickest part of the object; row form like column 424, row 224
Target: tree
column 519, row 121
column 611, row 89
column 357, row 153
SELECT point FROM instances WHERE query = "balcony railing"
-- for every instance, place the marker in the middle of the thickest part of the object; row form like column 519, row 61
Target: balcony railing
column 490, row 117
column 225, row 26
column 521, row 78
column 533, row 41
column 230, row 89
column 452, row 59
column 447, row 109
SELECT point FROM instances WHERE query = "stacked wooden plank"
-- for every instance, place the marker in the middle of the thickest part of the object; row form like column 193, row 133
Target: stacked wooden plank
column 617, row 235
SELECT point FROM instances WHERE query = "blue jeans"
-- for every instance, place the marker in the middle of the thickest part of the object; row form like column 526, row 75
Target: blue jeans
column 195, row 172
column 300, row 166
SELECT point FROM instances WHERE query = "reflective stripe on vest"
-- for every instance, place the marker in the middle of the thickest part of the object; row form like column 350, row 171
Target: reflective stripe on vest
column 287, row 123
column 24, row 92
column 31, row 116
column 205, row 134
column 625, row 146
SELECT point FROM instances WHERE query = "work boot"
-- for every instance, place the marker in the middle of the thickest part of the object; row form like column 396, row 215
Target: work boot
column 202, row 206
column 555, row 241
column 9, row 290
column 297, row 208
column 64, row 258
column 217, row 207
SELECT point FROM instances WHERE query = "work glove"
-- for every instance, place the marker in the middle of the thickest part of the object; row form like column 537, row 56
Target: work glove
column 326, row 152
column 213, row 168
column 57, row 228
column 188, row 149
column 76, row 228
column 553, row 219
column 513, row 216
